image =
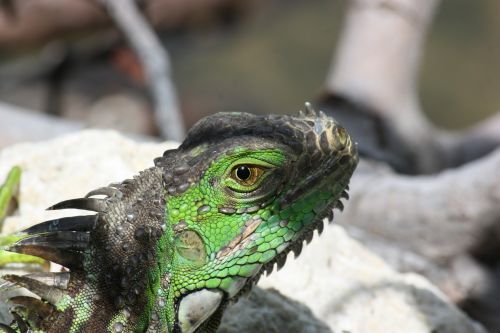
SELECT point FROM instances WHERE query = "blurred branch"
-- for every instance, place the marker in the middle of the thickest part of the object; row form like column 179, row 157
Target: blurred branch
column 155, row 61
column 376, row 68
column 38, row 22
column 444, row 226
column 488, row 128
column 473, row 143
column 436, row 222
column 9, row 7
column 438, row 216
column 377, row 65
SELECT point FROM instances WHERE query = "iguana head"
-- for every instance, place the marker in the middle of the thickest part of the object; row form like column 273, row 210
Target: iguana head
column 241, row 192
column 167, row 250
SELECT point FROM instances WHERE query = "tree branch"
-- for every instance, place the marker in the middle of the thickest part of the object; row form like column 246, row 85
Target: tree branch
column 155, row 61
column 438, row 216
column 377, row 63
column 431, row 224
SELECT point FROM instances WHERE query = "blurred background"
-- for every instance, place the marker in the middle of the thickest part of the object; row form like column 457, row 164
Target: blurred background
column 67, row 59
column 65, row 65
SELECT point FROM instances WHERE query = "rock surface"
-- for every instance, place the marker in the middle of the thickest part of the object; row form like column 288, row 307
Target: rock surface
column 270, row 311
column 353, row 290
column 346, row 287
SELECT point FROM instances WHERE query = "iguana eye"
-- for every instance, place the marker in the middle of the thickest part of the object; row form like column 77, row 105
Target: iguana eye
column 246, row 175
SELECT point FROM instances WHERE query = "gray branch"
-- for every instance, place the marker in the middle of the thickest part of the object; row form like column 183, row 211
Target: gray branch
column 432, row 223
column 155, row 61
column 438, row 216
column 377, row 63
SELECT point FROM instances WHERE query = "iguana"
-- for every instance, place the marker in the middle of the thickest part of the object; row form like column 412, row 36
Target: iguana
column 168, row 250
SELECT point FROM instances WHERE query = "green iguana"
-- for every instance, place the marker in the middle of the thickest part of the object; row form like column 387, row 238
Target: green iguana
column 168, row 250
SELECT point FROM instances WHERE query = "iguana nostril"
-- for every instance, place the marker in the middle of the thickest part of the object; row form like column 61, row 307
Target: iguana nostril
column 342, row 136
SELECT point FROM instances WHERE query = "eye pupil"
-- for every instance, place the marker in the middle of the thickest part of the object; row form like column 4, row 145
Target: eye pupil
column 243, row 173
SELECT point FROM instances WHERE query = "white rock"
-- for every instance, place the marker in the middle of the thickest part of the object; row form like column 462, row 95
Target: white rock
column 69, row 167
column 353, row 290
column 343, row 283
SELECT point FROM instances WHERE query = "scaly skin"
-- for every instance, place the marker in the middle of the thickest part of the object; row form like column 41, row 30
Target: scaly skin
column 168, row 250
